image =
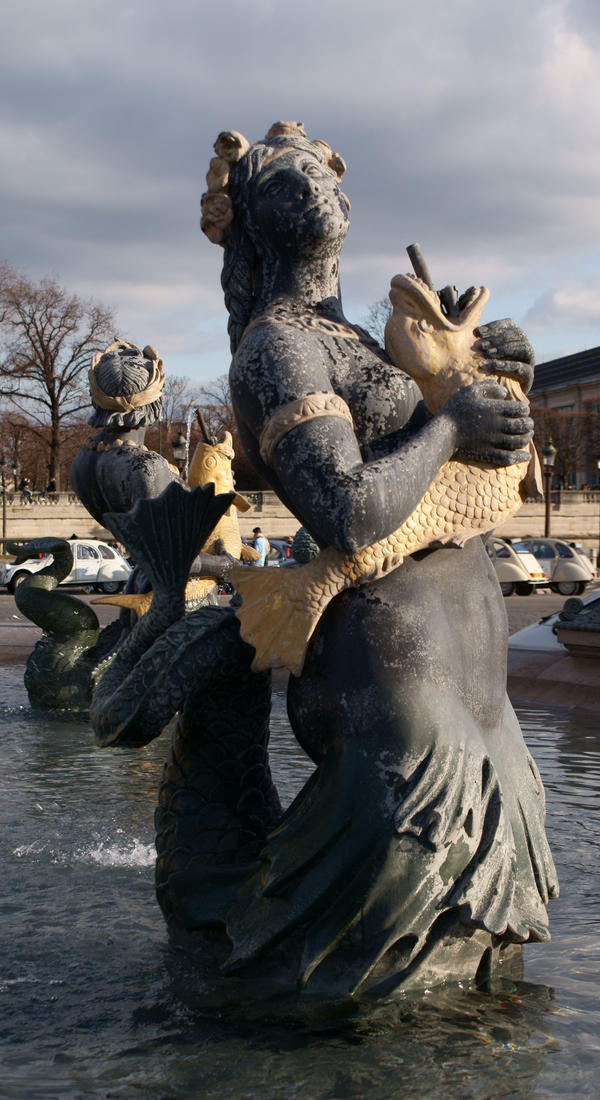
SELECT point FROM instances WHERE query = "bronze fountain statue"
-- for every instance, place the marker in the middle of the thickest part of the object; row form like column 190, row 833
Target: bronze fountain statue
column 416, row 852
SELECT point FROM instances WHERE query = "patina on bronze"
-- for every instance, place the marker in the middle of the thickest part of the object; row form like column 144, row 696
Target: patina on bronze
column 416, row 852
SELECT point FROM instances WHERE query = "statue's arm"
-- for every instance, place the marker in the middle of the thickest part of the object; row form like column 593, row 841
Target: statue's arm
column 345, row 501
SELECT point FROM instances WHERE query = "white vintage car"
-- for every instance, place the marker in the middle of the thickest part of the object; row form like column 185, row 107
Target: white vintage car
column 95, row 563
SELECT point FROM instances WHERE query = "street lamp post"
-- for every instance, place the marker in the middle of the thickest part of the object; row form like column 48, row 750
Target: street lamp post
column 2, row 476
column 548, row 457
column 179, row 445
column 598, row 554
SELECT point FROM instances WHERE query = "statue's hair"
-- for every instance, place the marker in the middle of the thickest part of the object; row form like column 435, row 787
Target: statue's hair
column 123, row 371
column 247, row 255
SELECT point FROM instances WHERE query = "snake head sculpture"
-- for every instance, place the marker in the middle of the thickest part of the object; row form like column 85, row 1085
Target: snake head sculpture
column 439, row 352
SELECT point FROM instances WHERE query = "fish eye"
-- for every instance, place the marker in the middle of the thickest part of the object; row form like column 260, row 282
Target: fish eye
column 424, row 326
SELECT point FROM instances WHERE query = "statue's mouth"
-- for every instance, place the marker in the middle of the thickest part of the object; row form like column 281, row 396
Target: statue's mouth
column 424, row 300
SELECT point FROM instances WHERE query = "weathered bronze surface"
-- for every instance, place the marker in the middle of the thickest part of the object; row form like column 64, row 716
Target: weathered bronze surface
column 416, row 853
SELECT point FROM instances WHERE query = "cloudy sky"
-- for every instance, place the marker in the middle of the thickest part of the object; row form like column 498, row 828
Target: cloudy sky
column 472, row 127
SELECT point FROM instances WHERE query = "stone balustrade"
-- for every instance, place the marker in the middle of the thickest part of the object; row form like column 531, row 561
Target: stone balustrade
column 574, row 515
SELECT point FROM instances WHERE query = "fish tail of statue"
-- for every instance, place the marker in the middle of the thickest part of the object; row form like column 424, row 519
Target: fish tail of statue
column 165, row 533
column 280, row 610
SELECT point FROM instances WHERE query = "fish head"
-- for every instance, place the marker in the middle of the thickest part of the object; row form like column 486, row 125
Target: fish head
column 212, row 462
column 421, row 339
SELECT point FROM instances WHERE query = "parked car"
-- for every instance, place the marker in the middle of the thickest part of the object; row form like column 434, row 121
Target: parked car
column 94, row 563
column 280, row 552
column 542, row 634
column 567, row 571
column 516, row 567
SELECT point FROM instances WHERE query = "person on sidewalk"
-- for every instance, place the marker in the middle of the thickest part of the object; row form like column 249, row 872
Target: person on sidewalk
column 260, row 544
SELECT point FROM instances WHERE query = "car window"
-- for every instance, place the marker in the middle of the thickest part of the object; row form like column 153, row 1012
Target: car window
column 542, row 549
column 564, row 551
column 86, row 552
column 501, row 551
column 106, row 551
column 521, row 548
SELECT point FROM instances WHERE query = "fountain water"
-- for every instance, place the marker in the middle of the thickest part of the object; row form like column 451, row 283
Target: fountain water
column 94, row 1002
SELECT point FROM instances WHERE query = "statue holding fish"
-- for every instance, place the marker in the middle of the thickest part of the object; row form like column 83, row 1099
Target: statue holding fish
column 416, row 852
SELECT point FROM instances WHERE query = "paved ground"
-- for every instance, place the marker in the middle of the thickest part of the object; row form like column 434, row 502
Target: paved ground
column 18, row 635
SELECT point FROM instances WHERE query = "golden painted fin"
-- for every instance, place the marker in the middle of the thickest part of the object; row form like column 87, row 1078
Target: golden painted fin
column 195, row 589
column 135, row 601
column 276, row 617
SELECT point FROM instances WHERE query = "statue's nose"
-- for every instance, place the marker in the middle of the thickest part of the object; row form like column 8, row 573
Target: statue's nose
column 309, row 187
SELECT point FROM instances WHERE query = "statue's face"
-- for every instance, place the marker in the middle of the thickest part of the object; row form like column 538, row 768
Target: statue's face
column 297, row 204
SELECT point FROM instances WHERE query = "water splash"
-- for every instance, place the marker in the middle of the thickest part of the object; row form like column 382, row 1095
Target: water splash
column 188, row 430
column 130, row 853
column 110, row 852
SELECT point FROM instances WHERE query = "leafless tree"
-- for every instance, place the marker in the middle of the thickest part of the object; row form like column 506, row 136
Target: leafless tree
column 576, row 436
column 180, row 395
column 218, row 414
column 376, row 319
column 48, row 336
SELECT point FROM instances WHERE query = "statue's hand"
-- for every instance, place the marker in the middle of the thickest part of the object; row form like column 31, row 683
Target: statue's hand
column 508, row 351
column 489, row 428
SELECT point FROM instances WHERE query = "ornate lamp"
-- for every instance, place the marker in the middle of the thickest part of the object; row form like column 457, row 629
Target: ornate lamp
column 549, row 453
column 598, row 554
column 3, row 485
column 179, row 445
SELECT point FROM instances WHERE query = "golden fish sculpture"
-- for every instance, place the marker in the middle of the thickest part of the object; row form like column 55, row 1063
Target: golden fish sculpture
column 211, row 462
column 281, row 608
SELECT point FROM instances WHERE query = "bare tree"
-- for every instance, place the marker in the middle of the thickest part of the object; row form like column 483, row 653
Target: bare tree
column 576, row 436
column 48, row 337
column 217, row 410
column 376, row 319
column 215, row 401
column 180, row 396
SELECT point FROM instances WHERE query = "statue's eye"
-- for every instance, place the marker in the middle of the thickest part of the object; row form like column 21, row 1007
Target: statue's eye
column 271, row 187
column 424, row 325
column 311, row 169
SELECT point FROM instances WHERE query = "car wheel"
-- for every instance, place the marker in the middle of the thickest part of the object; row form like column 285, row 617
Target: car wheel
column 524, row 589
column 16, row 581
column 581, row 587
column 111, row 587
column 507, row 588
column 568, row 588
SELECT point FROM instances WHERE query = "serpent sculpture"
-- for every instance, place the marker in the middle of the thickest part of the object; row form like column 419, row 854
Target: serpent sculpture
column 217, row 799
column 60, row 669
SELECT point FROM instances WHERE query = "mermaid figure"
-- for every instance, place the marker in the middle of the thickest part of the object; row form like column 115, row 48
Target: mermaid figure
column 416, row 852
column 114, row 468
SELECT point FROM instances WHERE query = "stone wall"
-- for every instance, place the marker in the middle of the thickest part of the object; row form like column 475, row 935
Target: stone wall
column 63, row 516
column 573, row 516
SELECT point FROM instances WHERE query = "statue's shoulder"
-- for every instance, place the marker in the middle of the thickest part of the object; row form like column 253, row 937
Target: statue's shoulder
column 270, row 334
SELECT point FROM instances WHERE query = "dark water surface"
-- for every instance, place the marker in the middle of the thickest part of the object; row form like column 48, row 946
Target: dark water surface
column 93, row 1003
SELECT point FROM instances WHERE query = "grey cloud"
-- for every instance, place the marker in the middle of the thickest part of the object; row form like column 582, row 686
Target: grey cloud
column 466, row 127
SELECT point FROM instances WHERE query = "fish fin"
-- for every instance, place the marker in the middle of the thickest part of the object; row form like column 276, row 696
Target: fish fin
column 165, row 533
column 457, row 538
column 134, row 601
column 276, row 617
column 532, row 484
